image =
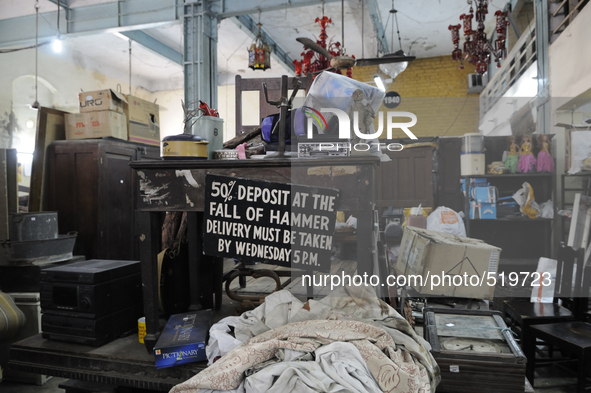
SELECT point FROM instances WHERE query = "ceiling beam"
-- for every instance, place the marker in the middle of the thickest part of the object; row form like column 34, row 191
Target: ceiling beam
column 93, row 19
column 247, row 24
column 154, row 45
column 123, row 15
column 378, row 27
column 231, row 8
column 62, row 3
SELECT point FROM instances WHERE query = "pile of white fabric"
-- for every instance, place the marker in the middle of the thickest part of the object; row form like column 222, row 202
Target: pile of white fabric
column 350, row 341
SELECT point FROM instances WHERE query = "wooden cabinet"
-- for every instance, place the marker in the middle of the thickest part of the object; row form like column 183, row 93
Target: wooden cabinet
column 92, row 187
column 406, row 180
column 448, row 173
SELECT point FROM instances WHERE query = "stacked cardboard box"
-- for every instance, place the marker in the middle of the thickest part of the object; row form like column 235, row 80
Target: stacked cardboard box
column 437, row 263
column 101, row 115
column 107, row 113
column 144, row 121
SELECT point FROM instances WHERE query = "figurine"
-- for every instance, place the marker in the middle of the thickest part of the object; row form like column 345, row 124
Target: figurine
column 527, row 161
column 545, row 161
column 365, row 113
column 512, row 157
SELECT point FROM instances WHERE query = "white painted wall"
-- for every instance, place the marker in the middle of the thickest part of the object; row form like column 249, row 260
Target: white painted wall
column 570, row 58
column 60, row 81
column 171, row 112
column 570, row 79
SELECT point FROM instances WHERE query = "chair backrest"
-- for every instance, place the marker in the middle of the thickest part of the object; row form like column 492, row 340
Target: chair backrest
column 274, row 91
column 572, row 280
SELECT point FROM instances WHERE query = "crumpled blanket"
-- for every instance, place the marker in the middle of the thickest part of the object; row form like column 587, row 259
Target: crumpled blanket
column 339, row 367
column 396, row 357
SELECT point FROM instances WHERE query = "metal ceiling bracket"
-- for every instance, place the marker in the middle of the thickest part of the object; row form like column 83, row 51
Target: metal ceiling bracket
column 230, row 8
column 93, row 19
column 542, row 46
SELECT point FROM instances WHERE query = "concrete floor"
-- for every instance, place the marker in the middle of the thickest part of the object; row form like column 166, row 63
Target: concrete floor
column 50, row 386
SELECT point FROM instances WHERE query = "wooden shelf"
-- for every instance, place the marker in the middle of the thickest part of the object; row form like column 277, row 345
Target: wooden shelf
column 543, row 174
column 515, row 219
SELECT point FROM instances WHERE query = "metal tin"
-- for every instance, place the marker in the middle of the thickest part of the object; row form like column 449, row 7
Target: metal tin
column 33, row 226
column 183, row 146
column 212, row 129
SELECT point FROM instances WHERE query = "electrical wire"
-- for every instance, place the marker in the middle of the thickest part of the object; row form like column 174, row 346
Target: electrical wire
column 362, row 28
column 397, row 29
column 343, row 22
column 36, row 103
column 458, row 115
column 23, row 48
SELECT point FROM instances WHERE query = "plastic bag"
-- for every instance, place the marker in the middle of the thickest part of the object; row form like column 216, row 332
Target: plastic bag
column 444, row 219
column 527, row 202
column 352, row 222
column 547, row 209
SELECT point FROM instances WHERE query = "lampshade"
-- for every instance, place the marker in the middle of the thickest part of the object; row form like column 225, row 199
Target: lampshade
column 393, row 69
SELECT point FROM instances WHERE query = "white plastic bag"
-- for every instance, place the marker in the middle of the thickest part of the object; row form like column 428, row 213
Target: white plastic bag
column 547, row 209
column 444, row 219
column 352, row 222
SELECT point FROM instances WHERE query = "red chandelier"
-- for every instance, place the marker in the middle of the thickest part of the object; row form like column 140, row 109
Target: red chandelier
column 477, row 49
column 313, row 62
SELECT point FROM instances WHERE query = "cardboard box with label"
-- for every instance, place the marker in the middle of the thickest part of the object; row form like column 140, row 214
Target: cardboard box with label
column 474, row 182
column 435, row 255
column 99, row 124
column 143, row 121
column 485, row 194
column 183, row 339
column 483, row 211
column 101, row 100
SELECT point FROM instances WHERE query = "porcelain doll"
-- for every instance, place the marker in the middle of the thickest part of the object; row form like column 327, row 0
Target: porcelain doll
column 545, row 160
column 527, row 161
column 512, row 157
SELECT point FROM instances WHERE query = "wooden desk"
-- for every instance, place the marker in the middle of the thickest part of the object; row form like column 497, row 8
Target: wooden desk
column 123, row 362
column 179, row 186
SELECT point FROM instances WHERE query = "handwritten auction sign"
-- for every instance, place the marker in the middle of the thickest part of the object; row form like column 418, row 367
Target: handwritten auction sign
column 276, row 223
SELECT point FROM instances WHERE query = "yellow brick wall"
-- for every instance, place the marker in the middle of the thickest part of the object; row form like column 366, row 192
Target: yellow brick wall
column 436, row 91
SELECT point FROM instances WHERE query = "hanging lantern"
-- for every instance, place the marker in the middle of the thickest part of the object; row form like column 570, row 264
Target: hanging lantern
column 477, row 50
column 259, row 54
